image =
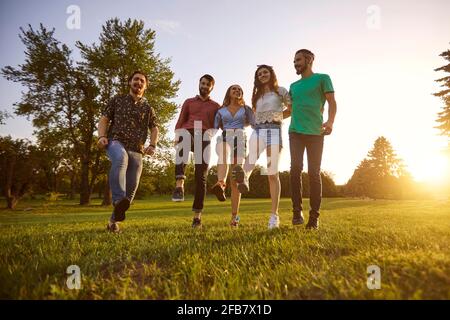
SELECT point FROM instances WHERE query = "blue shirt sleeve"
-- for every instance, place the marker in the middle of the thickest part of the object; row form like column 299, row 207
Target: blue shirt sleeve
column 218, row 120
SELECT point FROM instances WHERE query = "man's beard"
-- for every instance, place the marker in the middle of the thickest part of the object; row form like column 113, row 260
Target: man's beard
column 203, row 92
column 136, row 89
column 299, row 70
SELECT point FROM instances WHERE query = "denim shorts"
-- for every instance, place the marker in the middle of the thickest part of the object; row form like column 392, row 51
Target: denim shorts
column 270, row 133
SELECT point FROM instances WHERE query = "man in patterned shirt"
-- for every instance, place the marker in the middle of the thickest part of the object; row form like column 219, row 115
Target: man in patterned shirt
column 123, row 130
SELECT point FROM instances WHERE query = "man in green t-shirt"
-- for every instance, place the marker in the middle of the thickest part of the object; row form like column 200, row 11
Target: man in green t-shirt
column 307, row 131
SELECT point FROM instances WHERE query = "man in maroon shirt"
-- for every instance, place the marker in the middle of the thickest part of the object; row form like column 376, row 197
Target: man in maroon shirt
column 196, row 113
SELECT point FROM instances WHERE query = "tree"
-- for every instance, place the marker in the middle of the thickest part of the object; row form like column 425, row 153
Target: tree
column 329, row 188
column 17, row 164
column 54, row 159
column 60, row 98
column 122, row 49
column 444, row 116
column 3, row 116
column 361, row 182
column 65, row 97
column 384, row 160
column 381, row 175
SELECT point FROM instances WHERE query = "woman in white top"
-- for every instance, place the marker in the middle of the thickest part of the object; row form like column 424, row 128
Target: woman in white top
column 271, row 104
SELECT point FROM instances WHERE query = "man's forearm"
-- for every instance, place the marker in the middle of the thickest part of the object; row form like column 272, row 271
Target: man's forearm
column 103, row 127
column 154, row 135
column 332, row 108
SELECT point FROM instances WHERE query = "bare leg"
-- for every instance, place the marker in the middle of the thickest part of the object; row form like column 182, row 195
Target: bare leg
column 274, row 179
column 222, row 164
column 235, row 198
column 255, row 151
column 180, row 183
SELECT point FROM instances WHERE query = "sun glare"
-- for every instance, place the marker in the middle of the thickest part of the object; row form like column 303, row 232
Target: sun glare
column 432, row 169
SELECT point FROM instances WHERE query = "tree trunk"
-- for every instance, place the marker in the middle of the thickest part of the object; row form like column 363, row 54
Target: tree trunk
column 85, row 194
column 11, row 201
column 107, row 199
column 94, row 172
column 71, row 195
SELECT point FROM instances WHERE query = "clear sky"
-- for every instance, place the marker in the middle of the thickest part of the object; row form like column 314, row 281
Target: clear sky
column 379, row 54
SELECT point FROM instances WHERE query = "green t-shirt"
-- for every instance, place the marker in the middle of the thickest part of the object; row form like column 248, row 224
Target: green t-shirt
column 308, row 99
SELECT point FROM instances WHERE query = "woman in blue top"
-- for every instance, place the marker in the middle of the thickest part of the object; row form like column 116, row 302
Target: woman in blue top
column 231, row 118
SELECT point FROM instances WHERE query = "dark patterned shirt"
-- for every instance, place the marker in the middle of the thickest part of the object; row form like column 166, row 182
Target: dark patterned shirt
column 130, row 121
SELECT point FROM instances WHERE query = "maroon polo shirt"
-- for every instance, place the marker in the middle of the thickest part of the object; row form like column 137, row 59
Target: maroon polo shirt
column 195, row 109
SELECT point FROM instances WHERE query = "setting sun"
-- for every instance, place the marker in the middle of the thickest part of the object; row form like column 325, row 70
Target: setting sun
column 432, row 169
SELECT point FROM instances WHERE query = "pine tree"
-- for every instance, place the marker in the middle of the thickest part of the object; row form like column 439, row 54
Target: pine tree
column 384, row 160
column 444, row 116
column 380, row 175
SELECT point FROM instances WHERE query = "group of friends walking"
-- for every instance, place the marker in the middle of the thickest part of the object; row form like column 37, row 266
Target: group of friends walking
column 127, row 120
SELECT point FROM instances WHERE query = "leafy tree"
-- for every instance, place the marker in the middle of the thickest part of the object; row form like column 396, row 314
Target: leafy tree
column 329, row 188
column 17, row 164
column 60, row 98
column 65, row 98
column 3, row 116
column 122, row 49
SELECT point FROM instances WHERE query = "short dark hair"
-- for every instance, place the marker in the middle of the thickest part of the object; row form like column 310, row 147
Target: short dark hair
column 138, row 72
column 208, row 77
column 307, row 53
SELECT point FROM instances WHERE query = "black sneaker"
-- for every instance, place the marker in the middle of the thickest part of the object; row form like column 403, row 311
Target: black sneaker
column 297, row 218
column 219, row 191
column 313, row 222
column 120, row 207
column 178, row 194
column 196, row 223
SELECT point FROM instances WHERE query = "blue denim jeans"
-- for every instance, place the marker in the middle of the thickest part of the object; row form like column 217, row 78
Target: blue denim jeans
column 126, row 169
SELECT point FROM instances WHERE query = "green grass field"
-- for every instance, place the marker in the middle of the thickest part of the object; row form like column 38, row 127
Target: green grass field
column 159, row 256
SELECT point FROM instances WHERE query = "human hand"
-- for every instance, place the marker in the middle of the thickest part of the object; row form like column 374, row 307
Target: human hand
column 150, row 150
column 102, row 142
column 327, row 128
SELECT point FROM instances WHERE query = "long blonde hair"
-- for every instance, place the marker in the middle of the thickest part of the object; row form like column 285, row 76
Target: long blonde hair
column 227, row 99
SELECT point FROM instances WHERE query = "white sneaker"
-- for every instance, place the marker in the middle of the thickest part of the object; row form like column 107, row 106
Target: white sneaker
column 113, row 226
column 274, row 221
